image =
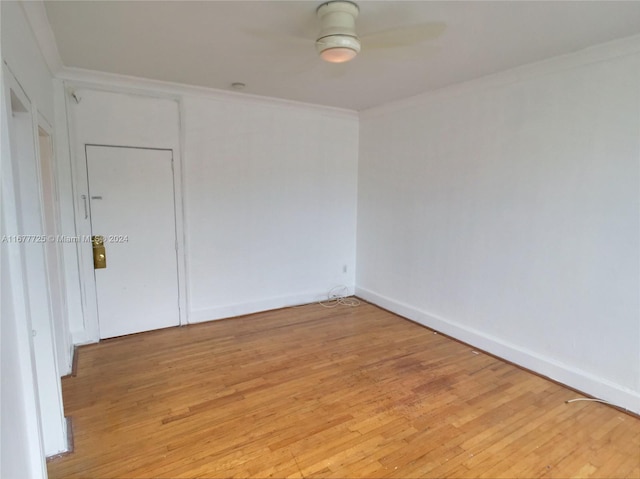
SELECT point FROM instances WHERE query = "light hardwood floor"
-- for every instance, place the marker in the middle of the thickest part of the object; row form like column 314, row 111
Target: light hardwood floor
column 316, row 392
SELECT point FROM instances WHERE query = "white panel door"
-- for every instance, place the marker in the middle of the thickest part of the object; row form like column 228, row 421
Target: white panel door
column 132, row 206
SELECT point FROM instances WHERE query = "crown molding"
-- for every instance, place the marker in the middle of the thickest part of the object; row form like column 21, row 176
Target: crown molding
column 36, row 15
column 79, row 77
column 597, row 53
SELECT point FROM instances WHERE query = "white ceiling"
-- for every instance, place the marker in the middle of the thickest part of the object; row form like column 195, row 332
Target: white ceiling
column 269, row 45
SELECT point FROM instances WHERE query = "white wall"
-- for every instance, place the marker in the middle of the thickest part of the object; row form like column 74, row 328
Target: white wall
column 72, row 300
column 269, row 190
column 21, row 52
column 506, row 213
column 270, row 203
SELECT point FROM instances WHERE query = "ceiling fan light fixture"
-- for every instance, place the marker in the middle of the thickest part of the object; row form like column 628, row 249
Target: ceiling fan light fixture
column 337, row 41
column 338, row 55
column 338, row 48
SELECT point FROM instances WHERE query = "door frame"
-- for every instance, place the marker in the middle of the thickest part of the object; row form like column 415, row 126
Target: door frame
column 85, row 253
column 39, row 372
column 63, row 342
column 71, row 94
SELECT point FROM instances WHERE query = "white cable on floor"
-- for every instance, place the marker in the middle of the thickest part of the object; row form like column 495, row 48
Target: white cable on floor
column 590, row 400
column 338, row 296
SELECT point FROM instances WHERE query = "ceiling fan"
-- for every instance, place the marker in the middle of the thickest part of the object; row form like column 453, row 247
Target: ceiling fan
column 338, row 41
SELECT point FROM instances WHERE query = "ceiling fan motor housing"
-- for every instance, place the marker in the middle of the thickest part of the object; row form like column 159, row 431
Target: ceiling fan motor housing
column 338, row 31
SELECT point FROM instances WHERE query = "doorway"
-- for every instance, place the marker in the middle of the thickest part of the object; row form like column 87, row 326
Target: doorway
column 25, row 245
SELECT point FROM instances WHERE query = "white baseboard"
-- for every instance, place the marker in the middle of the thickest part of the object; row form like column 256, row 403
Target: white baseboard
column 571, row 376
column 229, row 311
column 80, row 337
column 240, row 309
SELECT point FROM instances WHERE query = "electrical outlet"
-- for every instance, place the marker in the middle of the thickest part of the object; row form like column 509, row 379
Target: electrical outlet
column 344, row 268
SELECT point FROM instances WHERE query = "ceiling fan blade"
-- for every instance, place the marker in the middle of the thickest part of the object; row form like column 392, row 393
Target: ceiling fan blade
column 403, row 36
column 280, row 37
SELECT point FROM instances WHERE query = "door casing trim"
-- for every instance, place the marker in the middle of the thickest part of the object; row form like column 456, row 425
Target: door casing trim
column 85, row 257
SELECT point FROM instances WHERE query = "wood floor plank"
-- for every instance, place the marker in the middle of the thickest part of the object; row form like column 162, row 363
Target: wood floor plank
column 316, row 392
